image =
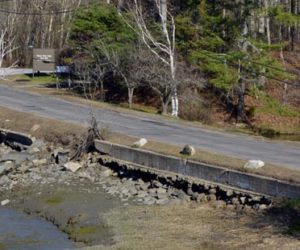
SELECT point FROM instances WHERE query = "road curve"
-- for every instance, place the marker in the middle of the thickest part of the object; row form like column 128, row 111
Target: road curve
column 242, row 146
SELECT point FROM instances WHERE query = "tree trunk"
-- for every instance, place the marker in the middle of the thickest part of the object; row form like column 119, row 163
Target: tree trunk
column 62, row 26
column 102, row 96
column 164, row 108
column 130, row 97
column 175, row 104
column 50, row 33
column 240, row 108
column 267, row 22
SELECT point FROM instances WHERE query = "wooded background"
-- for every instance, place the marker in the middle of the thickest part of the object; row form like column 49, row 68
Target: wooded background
column 196, row 50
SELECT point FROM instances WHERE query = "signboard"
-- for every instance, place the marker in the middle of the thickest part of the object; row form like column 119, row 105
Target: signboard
column 43, row 60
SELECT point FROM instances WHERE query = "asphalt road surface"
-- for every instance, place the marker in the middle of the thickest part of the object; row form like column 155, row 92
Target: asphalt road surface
column 279, row 153
column 14, row 71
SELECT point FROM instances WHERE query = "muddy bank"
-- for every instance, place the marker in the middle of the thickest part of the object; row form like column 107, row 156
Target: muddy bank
column 75, row 208
column 111, row 205
column 33, row 182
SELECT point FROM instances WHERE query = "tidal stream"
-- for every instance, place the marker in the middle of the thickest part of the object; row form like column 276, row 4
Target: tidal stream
column 21, row 231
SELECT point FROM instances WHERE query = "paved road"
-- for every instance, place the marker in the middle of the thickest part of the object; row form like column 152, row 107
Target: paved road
column 279, row 153
column 14, row 71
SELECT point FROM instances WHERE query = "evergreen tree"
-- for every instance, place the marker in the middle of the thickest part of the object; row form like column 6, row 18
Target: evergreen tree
column 219, row 42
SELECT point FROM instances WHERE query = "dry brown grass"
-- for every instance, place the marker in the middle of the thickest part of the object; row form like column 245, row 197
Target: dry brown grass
column 51, row 130
column 62, row 132
column 192, row 226
column 269, row 170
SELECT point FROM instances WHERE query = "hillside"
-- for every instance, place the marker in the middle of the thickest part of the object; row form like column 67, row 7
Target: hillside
column 225, row 63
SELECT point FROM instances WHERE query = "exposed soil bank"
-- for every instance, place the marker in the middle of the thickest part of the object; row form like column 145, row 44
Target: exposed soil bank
column 75, row 208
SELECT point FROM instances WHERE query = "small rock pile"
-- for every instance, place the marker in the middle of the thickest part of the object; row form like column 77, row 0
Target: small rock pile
column 27, row 167
column 146, row 187
column 42, row 164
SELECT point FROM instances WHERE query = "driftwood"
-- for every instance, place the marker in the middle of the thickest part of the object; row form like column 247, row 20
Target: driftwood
column 87, row 143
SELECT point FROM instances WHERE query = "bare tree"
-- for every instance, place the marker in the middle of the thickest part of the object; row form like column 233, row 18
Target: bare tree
column 84, row 73
column 157, row 76
column 91, row 69
column 128, row 67
column 6, row 48
column 162, row 46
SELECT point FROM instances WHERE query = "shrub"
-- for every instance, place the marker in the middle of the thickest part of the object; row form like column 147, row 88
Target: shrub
column 251, row 112
column 193, row 108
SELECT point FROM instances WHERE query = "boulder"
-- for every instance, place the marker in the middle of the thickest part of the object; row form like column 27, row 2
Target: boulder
column 24, row 168
column 39, row 162
column 211, row 197
column 149, row 201
column 61, row 156
column 188, row 150
column 5, row 202
column 243, row 200
column 106, row 173
column 201, row 197
column 35, row 127
column 156, row 184
column 4, row 180
column 6, row 167
column 72, row 166
column 142, row 194
column 33, row 150
column 254, row 164
column 219, row 204
column 161, row 191
column 140, row 143
column 16, row 157
column 263, row 207
column 163, row 201
column 229, row 193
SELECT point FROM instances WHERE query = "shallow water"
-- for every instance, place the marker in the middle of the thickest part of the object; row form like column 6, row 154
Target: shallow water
column 21, row 231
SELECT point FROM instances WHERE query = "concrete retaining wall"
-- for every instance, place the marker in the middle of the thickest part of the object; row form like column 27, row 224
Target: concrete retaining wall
column 235, row 179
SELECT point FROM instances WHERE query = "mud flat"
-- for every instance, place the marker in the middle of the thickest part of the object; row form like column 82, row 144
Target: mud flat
column 100, row 203
column 20, row 231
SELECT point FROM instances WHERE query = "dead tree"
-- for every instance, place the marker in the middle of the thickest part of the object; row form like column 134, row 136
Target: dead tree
column 87, row 143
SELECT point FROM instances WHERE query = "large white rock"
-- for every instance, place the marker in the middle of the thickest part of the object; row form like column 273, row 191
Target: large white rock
column 140, row 143
column 107, row 173
column 6, row 167
column 5, row 202
column 39, row 162
column 254, row 164
column 188, row 150
column 72, row 166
